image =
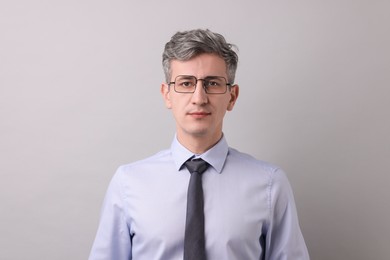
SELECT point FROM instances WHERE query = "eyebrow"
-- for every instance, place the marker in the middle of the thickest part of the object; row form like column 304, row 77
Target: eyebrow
column 186, row 76
column 191, row 76
column 212, row 77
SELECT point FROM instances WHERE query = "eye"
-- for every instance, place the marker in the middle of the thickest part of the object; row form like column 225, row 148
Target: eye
column 186, row 83
column 214, row 82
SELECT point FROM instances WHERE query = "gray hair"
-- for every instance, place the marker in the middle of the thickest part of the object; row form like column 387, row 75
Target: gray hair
column 186, row 45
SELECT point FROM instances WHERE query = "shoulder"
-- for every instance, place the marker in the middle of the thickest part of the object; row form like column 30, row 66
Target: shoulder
column 246, row 160
column 249, row 165
column 145, row 164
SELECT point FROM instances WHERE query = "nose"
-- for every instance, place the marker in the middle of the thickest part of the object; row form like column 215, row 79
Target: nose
column 200, row 96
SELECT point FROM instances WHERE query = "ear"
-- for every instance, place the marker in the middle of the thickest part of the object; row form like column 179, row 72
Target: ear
column 164, row 90
column 234, row 91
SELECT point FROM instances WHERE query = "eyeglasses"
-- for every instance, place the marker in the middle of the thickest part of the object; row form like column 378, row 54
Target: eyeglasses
column 211, row 84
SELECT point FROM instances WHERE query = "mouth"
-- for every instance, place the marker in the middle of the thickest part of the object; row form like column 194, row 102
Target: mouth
column 199, row 114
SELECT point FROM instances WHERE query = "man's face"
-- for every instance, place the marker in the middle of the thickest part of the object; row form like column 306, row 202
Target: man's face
column 199, row 114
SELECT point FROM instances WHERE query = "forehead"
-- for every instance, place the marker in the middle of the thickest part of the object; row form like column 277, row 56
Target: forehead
column 200, row 66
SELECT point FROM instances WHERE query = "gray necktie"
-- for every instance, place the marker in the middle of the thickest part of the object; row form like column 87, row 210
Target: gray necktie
column 194, row 238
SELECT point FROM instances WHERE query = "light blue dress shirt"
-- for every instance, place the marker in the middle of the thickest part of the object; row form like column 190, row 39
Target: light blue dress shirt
column 249, row 207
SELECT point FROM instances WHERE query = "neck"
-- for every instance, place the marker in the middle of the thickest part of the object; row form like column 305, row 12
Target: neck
column 199, row 144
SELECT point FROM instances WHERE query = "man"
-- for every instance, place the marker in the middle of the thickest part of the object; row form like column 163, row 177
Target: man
column 244, row 208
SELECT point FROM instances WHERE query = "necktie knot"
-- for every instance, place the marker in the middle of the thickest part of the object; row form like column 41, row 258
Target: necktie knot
column 197, row 165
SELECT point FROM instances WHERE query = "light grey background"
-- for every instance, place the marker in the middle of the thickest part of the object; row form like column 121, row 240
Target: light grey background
column 79, row 96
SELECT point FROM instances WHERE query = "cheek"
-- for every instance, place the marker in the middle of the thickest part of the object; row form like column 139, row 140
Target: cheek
column 221, row 110
column 172, row 101
column 177, row 106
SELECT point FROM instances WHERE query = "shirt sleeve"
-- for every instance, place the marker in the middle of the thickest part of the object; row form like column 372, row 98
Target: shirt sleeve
column 113, row 239
column 284, row 239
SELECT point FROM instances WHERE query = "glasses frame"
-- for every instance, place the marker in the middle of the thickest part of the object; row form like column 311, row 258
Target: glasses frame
column 228, row 85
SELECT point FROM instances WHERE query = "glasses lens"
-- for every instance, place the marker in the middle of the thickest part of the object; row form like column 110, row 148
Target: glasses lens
column 185, row 84
column 215, row 85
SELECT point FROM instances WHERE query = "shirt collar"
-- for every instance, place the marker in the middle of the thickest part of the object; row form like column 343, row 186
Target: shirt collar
column 215, row 156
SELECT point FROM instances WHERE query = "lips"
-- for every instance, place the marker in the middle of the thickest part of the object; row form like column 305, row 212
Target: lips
column 199, row 114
